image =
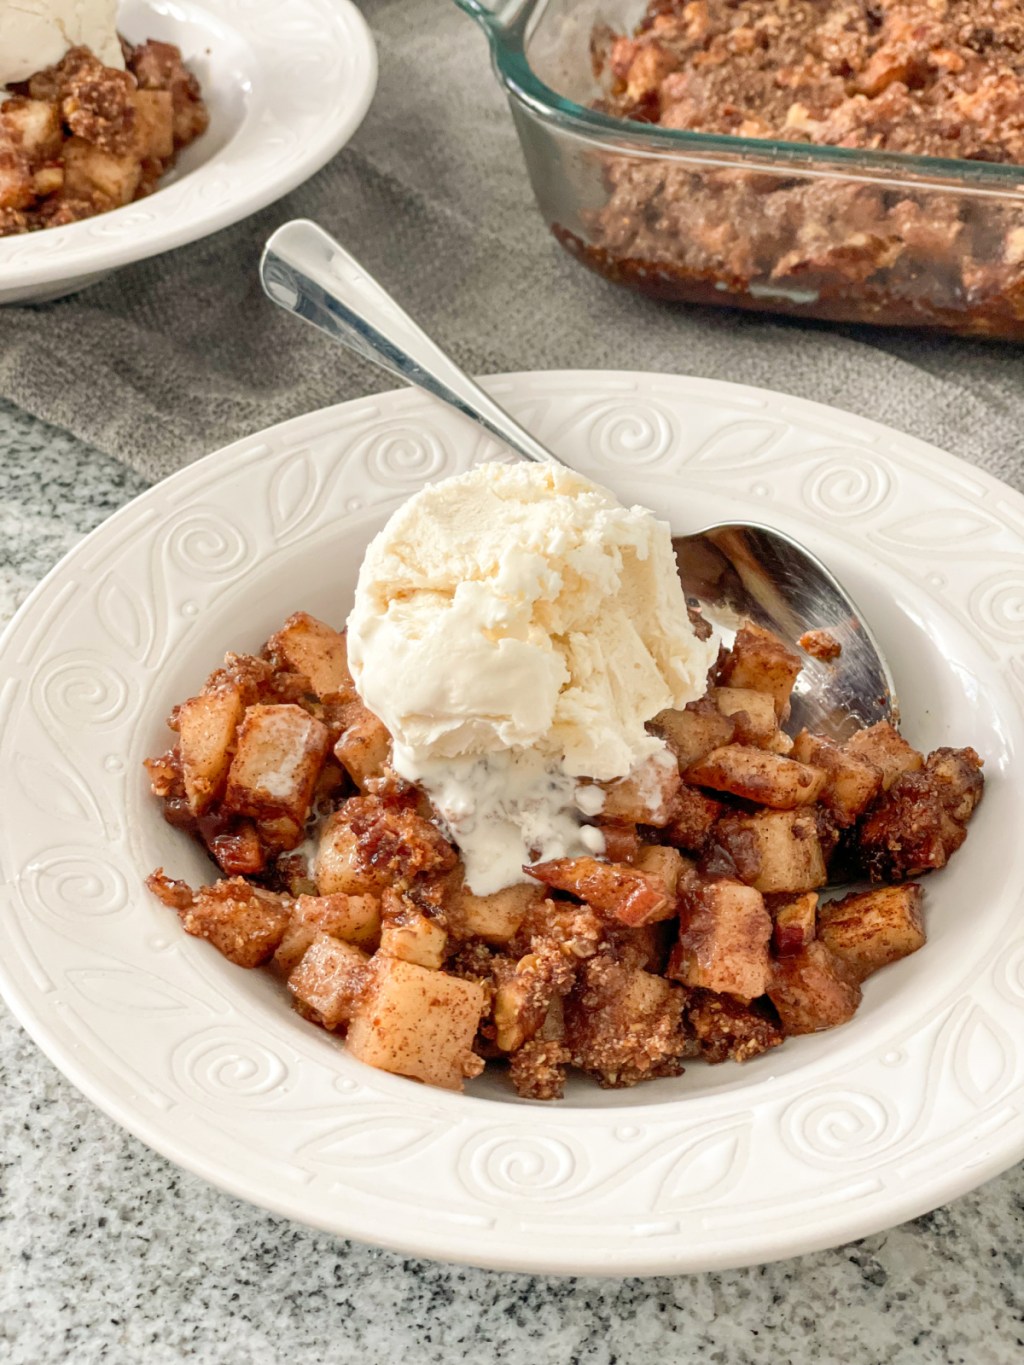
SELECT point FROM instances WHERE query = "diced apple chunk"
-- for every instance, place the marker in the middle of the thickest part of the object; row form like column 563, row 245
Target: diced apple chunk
column 239, row 850
column 694, row 731
column 154, row 124
column 207, row 725
column 417, row 1022
column 886, row 748
column 312, row 648
column 47, row 180
column 613, row 889
column 369, row 844
column 873, row 928
column 329, row 980
column 761, row 661
column 773, row 850
column 496, row 917
column 668, row 865
column 724, row 930
column 406, row 932
column 644, row 797
column 621, row 840
column 794, row 919
column 339, row 867
column 364, row 749
column 769, row 779
column 355, row 919
column 851, row 782
column 514, row 1023
column 88, row 170
column 419, row 941
column 16, row 189
column 35, row 125
column 812, row 990
column 753, row 714
column 280, row 752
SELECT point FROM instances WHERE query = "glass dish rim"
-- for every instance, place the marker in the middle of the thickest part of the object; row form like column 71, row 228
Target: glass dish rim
column 508, row 54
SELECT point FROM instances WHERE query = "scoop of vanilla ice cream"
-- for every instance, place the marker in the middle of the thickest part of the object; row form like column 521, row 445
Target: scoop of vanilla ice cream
column 515, row 628
column 522, row 606
column 37, row 33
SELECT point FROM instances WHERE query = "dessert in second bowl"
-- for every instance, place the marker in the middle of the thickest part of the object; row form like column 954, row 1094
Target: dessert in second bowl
column 527, row 811
column 89, row 122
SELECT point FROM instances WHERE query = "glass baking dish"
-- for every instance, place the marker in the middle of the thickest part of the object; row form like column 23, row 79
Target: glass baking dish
column 807, row 230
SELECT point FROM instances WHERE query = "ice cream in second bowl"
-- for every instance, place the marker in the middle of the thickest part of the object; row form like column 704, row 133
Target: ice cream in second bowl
column 515, row 628
column 37, row 33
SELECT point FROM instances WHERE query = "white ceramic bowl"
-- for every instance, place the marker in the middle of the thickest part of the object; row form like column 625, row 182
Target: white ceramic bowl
column 286, row 84
column 917, row 1099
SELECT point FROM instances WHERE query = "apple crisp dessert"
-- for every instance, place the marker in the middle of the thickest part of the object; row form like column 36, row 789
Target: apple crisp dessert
column 929, row 78
column 702, row 933
column 80, row 138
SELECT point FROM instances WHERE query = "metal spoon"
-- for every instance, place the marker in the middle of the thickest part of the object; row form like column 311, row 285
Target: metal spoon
column 735, row 571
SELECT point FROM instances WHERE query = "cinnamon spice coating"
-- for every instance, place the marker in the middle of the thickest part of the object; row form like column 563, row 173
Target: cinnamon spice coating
column 920, row 822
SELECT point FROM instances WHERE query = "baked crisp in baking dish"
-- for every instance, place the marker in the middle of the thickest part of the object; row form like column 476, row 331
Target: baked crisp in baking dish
column 940, row 78
column 924, row 78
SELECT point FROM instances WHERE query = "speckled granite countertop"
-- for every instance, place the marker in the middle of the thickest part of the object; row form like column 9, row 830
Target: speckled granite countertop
column 108, row 1253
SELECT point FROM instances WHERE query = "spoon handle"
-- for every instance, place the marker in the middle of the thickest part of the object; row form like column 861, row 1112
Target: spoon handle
column 309, row 274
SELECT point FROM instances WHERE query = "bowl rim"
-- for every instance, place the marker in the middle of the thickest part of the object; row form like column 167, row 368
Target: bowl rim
column 77, row 254
column 508, row 42
column 297, row 465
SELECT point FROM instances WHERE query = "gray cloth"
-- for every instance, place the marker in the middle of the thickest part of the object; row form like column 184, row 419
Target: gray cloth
column 175, row 356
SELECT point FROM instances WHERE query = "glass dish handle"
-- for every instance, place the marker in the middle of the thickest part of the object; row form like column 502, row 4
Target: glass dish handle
column 308, row 273
column 497, row 15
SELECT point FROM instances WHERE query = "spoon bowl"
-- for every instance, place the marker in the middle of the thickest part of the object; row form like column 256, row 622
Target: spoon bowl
column 732, row 572
column 740, row 571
